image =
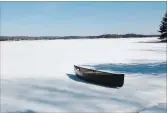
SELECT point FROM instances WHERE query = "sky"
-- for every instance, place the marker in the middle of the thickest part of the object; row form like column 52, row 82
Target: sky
column 80, row 18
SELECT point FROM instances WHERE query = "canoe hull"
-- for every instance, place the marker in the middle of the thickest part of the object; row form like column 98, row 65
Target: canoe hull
column 100, row 77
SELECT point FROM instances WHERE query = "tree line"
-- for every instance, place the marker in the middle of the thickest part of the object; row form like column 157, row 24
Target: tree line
column 18, row 38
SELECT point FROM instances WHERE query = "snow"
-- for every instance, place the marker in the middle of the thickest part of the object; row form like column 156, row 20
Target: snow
column 38, row 76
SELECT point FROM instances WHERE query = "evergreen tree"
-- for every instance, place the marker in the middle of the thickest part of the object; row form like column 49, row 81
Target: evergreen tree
column 163, row 27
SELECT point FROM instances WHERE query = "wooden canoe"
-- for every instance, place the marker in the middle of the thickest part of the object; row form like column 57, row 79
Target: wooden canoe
column 100, row 77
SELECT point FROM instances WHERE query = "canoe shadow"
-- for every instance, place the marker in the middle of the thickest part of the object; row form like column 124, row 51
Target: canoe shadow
column 79, row 79
column 154, row 69
column 27, row 111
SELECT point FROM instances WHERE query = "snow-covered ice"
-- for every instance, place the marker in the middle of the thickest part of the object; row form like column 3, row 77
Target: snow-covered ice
column 38, row 76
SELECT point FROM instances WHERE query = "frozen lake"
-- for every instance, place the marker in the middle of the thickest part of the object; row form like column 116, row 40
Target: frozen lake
column 38, row 76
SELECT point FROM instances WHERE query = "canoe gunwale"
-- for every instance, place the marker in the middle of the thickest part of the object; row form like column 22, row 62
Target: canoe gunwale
column 94, row 71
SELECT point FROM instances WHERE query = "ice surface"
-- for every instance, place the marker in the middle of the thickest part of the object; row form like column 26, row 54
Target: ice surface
column 38, row 76
column 160, row 108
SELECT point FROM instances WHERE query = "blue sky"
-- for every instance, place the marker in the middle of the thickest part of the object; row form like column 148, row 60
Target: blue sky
column 80, row 18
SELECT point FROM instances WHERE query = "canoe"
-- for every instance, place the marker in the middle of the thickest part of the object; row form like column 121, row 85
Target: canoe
column 100, row 77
